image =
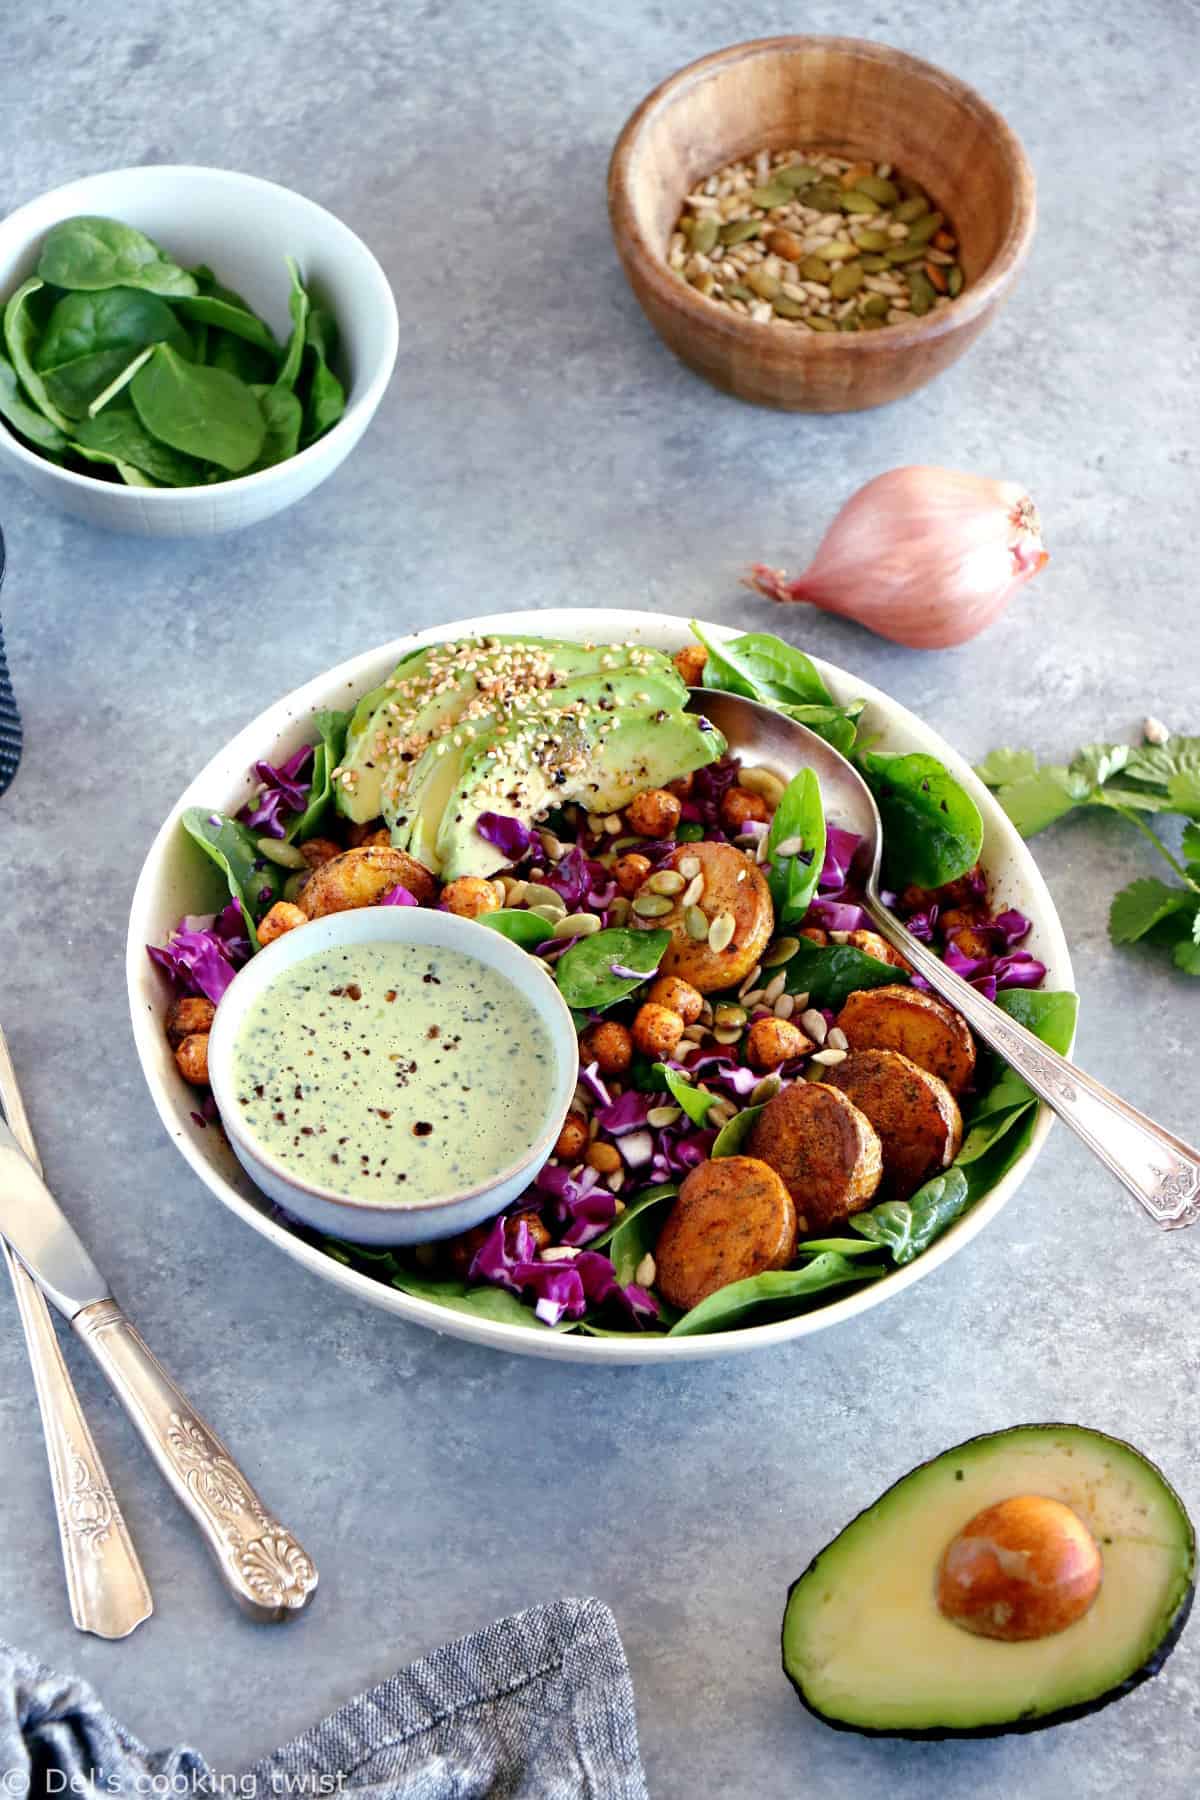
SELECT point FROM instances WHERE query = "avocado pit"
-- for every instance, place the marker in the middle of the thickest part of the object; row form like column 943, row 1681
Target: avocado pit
column 1027, row 1567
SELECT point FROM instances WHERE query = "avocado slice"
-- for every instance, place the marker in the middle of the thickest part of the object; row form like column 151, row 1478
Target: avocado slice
column 867, row 1648
column 435, row 688
column 622, row 734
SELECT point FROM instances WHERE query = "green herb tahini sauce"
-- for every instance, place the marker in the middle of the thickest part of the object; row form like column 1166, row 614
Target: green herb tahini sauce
column 392, row 1072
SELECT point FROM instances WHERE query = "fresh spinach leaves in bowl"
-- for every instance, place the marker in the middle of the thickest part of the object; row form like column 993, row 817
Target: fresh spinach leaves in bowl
column 124, row 363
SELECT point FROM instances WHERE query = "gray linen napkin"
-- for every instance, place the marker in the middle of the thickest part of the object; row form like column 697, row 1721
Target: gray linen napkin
column 536, row 1707
column 10, row 718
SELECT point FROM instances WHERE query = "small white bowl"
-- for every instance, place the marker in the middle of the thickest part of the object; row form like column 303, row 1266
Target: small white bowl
column 366, row 1221
column 243, row 227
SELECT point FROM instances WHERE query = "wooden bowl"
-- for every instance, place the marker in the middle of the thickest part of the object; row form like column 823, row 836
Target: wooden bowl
column 847, row 97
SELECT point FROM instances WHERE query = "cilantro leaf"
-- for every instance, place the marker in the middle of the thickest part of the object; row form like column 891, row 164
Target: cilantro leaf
column 1183, row 792
column 1186, row 954
column 1191, row 845
column 1095, row 764
column 1035, row 801
column 1158, row 762
column 999, row 767
column 1142, row 905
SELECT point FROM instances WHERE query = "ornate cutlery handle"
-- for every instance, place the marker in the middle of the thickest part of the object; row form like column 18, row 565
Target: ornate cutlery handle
column 268, row 1572
column 1159, row 1169
column 106, row 1585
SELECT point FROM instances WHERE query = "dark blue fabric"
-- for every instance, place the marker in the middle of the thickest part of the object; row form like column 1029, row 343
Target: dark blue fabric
column 535, row 1707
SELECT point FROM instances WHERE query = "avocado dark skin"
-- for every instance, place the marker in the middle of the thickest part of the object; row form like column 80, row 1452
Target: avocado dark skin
column 1025, row 1722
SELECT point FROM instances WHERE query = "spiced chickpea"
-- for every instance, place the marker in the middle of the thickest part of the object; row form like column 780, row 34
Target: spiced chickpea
column 190, row 1013
column 358, row 835
column 740, row 808
column 681, row 787
column 377, row 840
column 689, row 663
column 677, row 996
column 656, row 1030
column 191, row 1059
column 572, row 1139
column 282, row 917
column 604, row 1158
column 608, row 1045
column 654, row 813
column 470, row 896
column 462, row 1250
column 631, row 870
column 814, row 934
column 319, row 850
column 771, row 1042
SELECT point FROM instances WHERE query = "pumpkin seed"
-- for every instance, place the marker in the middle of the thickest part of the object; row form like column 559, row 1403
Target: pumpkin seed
column 906, row 253
column 720, row 932
column 666, row 881
column 730, row 1017
column 781, row 951
column 911, row 209
column 849, row 323
column 788, row 309
column 764, row 285
column 722, row 1112
column 824, row 197
column 695, row 924
column 293, row 884
column 726, row 1035
column 775, row 194
column 688, row 866
column 921, row 291
column 924, row 228
column 871, row 238
column 875, row 306
column 796, row 175
column 766, row 1090
column 618, row 912
column 738, row 291
column 692, row 891
column 954, row 281
column 836, row 250
column 872, row 324
column 704, row 235
column 651, row 906
column 879, row 188
column 658, row 1116
column 286, row 856
column 551, row 914
column 847, row 280
column 536, row 894
column 873, row 264
column 852, row 201
column 815, row 268
column 763, row 782
column 738, row 230
column 576, row 925
column 817, row 323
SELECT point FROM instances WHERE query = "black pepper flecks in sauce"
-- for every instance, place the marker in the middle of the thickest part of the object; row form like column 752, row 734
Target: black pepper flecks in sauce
column 392, row 1072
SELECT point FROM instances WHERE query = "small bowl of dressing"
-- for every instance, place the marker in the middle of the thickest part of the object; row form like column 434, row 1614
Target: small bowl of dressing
column 393, row 1074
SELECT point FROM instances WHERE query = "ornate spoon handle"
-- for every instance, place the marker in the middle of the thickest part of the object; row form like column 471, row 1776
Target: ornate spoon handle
column 1159, row 1169
column 267, row 1571
column 106, row 1585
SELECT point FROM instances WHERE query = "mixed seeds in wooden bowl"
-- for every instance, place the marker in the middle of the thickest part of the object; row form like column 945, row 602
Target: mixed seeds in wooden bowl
column 817, row 241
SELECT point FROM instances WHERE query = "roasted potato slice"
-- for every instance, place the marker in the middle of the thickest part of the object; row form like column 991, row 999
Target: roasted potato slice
column 914, row 1113
column 361, row 877
column 871, row 944
column 733, row 884
column 826, row 1152
column 733, row 1218
column 919, row 1025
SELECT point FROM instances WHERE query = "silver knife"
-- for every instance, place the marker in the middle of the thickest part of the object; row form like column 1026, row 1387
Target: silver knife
column 262, row 1563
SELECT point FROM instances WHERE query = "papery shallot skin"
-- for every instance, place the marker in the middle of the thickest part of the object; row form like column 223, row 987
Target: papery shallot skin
column 926, row 557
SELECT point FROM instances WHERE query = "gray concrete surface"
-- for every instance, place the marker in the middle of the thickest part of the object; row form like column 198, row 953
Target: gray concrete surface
column 539, row 446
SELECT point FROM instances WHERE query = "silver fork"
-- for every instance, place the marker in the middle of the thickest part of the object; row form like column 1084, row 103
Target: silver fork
column 106, row 1586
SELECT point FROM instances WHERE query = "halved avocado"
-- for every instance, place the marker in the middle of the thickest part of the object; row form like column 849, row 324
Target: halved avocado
column 867, row 1648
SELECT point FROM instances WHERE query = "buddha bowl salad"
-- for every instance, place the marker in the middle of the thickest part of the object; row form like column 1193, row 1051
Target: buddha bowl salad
column 771, row 1106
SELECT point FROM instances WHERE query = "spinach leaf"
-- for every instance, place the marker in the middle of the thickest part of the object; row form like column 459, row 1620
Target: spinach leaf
column 236, row 357
column 524, row 928
column 830, row 974
column 84, row 386
column 836, row 724
column 82, row 326
column 289, row 372
column 201, row 411
column 30, row 424
column 606, row 1331
column 932, row 831
column 906, row 1227
column 649, row 1197
column 327, row 754
column 482, row 1302
column 326, row 396
column 235, row 317
column 21, row 334
column 731, row 1137
column 730, row 1305
column 761, row 667
column 282, row 415
column 836, row 1247
column 91, row 253
column 120, row 434
column 584, row 973
column 696, row 1102
column 793, row 879
column 254, row 882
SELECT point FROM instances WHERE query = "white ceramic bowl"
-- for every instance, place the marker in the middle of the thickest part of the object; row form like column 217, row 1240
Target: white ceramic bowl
column 365, row 1221
column 243, row 227
column 175, row 879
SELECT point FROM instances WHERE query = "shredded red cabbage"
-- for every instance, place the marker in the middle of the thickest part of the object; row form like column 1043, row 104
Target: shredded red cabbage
column 581, row 1203
column 628, row 1113
column 203, row 954
column 399, row 896
column 840, row 846
column 575, row 876
column 835, row 915
column 589, row 1078
column 280, row 791
column 721, row 1068
column 512, row 837
column 564, row 1289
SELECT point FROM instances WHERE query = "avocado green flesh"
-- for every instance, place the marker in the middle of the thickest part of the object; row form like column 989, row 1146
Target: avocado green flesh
column 866, row 1646
column 428, row 693
column 600, row 759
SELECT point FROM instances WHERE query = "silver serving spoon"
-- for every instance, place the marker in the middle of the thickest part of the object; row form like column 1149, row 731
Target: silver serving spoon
column 1159, row 1169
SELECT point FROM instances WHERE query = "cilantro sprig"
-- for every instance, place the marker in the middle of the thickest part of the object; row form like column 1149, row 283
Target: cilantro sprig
column 1160, row 776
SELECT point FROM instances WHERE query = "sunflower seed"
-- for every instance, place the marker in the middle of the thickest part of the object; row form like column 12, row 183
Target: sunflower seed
column 785, row 1006
column 695, row 1034
column 753, row 998
column 837, row 1039
column 813, row 1025
column 766, row 1090
column 693, row 891
column 829, row 1058
column 645, row 1272
column 722, row 1112
column 774, row 988
column 789, row 846
column 801, row 1002
column 720, row 932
